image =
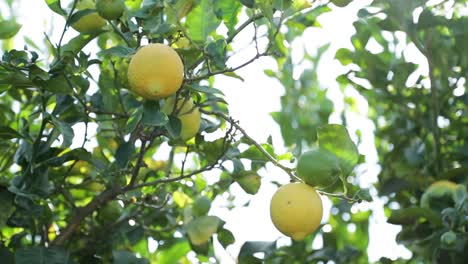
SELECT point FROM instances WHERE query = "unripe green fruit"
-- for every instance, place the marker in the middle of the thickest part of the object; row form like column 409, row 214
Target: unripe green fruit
column 110, row 9
column 201, row 206
column 448, row 238
column 341, row 3
column 318, row 168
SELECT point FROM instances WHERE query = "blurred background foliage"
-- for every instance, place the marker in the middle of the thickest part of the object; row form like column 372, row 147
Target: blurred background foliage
column 106, row 199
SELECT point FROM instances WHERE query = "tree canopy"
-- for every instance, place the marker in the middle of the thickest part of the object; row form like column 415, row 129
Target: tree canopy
column 133, row 181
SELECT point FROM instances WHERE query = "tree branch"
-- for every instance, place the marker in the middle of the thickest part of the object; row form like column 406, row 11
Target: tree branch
column 289, row 171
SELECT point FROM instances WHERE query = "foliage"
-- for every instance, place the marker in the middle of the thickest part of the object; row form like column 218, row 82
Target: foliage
column 102, row 200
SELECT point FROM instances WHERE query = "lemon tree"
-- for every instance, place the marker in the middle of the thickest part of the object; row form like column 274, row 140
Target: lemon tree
column 118, row 143
column 296, row 210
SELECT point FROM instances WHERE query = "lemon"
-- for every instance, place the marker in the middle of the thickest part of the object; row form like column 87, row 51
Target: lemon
column 110, row 9
column 188, row 114
column 155, row 71
column 201, row 229
column 201, row 206
column 89, row 22
column 110, row 212
column 437, row 191
column 296, row 210
column 318, row 168
column 341, row 3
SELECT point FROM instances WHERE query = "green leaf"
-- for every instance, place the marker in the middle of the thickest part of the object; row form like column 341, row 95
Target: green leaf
column 66, row 131
column 54, row 5
column 253, row 153
column 8, row 133
column 173, row 254
column 202, row 21
column 250, row 181
column 8, row 28
column 127, row 257
column 174, row 126
column 78, row 43
column 6, row 205
column 205, row 89
column 202, row 228
column 118, row 51
column 248, row 3
column 225, row 237
column 133, row 120
column 58, row 84
column 152, row 116
column 41, row 255
column 335, row 139
column 229, row 10
column 249, row 248
column 124, row 153
column 412, row 215
column 6, row 255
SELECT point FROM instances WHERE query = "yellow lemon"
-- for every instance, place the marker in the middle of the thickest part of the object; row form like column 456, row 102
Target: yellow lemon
column 296, row 210
column 188, row 114
column 89, row 22
column 155, row 71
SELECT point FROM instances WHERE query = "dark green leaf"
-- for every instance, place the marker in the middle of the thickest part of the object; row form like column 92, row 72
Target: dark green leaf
column 124, row 154
column 127, row 257
column 8, row 133
column 413, row 214
column 41, row 255
column 118, row 51
column 133, row 120
column 66, row 131
column 251, row 247
column 6, row 205
column 174, row 126
column 152, row 116
column 225, row 237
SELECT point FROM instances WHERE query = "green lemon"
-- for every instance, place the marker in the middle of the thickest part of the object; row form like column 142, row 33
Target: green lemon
column 110, row 9
column 438, row 192
column 318, row 168
column 201, row 229
column 89, row 22
column 110, row 212
column 448, row 238
column 341, row 3
column 201, row 206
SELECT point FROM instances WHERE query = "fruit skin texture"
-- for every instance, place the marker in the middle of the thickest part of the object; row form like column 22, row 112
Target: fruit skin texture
column 188, row 114
column 155, row 71
column 90, row 22
column 318, row 168
column 438, row 190
column 296, row 210
column 110, row 9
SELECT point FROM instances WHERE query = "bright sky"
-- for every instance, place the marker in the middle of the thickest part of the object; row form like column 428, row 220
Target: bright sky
column 251, row 102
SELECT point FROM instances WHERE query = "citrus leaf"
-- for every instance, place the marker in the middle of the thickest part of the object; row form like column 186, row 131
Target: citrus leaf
column 412, row 215
column 335, row 139
column 8, row 29
column 127, row 257
column 202, row 21
column 41, row 255
column 124, row 153
column 6, row 205
column 54, row 5
column 8, row 133
column 202, row 228
column 66, row 130
column 251, row 247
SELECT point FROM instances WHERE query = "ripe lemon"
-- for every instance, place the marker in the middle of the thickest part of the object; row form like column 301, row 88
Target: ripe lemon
column 296, row 210
column 188, row 114
column 110, row 9
column 437, row 191
column 318, row 168
column 89, row 22
column 155, row 71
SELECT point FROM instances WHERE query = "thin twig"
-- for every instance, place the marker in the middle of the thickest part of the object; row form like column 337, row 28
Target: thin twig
column 289, row 171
